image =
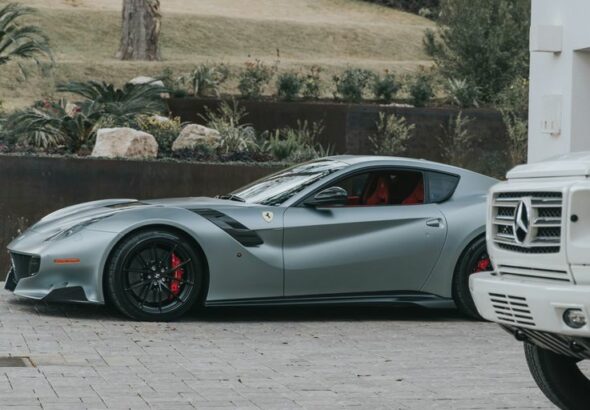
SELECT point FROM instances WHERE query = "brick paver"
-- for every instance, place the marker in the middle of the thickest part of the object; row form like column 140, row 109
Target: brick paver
column 272, row 358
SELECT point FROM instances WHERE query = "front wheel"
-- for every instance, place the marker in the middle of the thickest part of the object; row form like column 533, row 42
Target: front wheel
column 154, row 276
column 564, row 380
column 474, row 259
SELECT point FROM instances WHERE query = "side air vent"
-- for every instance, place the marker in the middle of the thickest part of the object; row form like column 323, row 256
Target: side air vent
column 235, row 229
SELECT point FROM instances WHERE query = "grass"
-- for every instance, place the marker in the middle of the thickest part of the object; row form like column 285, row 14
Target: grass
column 333, row 34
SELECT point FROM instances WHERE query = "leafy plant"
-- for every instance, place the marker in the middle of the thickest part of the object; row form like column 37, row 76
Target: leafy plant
column 120, row 105
column 174, row 85
column 20, row 41
column 462, row 93
column 235, row 136
column 312, row 84
column 485, row 42
column 352, row 84
column 206, row 79
column 164, row 130
column 385, row 87
column 255, row 76
column 513, row 105
column 421, row 90
column 392, row 136
column 289, row 85
column 456, row 140
column 296, row 144
column 49, row 124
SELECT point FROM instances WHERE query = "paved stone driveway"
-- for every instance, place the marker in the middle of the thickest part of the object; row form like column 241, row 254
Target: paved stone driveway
column 369, row 358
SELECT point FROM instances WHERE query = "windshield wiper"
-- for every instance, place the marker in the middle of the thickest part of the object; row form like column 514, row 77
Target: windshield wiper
column 231, row 197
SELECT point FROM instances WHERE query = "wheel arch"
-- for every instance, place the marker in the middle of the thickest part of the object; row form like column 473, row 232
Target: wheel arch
column 463, row 253
column 149, row 227
column 440, row 280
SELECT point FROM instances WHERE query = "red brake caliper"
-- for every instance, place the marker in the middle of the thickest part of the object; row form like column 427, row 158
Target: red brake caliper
column 175, row 283
column 483, row 265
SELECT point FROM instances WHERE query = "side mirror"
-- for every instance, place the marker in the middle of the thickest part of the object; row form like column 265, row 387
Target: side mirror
column 334, row 196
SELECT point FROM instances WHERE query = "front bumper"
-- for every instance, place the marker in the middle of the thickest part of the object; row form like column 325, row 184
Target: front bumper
column 70, row 282
column 529, row 304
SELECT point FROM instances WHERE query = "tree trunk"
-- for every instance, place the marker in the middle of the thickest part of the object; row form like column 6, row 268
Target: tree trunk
column 141, row 30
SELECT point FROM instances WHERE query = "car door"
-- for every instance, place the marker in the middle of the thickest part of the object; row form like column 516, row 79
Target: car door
column 361, row 248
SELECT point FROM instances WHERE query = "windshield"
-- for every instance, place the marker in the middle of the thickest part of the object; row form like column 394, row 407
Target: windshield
column 278, row 188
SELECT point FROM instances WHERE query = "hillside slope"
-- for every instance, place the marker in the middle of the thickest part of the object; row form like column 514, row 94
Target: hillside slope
column 331, row 33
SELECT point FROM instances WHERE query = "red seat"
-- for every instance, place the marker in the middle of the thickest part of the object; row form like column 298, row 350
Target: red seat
column 417, row 196
column 379, row 195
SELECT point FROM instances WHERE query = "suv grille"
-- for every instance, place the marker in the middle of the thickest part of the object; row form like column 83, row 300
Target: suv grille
column 24, row 265
column 535, row 229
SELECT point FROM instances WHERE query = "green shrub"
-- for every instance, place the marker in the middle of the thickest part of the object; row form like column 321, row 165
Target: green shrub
column 206, row 79
column 312, row 84
column 296, row 144
column 352, row 84
column 484, row 42
column 165, row 131
column 462, row 93
column 289, row 85
column 513, row 105
column 235, row 135
column 385, row 87
column 456, row 141
column 255, row 76
column 392, row 136
column 421, row 90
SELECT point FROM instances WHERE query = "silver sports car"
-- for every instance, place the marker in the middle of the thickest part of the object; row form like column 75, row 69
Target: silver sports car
column 343, row 229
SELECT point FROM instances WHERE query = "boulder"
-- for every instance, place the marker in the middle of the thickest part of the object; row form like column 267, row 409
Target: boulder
column 124, row 143
column 194, row 135
column 147, row 80
column 150, row 80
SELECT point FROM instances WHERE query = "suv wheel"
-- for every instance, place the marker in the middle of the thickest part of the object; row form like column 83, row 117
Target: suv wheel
column 563, row 379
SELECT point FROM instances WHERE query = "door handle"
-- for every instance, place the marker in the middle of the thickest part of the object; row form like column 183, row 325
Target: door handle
column 434, row 223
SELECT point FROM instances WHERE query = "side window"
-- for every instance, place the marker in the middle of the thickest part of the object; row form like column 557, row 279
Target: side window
column 441, row 186
column 378, row 188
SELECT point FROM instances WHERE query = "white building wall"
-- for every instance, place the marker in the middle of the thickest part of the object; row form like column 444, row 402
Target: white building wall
column 559, row 115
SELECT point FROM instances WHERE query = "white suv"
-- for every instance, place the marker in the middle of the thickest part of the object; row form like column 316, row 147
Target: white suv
column 538, row 237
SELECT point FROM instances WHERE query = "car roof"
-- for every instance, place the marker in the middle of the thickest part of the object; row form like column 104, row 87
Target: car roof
column 379, row 159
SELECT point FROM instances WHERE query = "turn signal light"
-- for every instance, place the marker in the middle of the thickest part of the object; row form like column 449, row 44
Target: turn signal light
column 575, row 318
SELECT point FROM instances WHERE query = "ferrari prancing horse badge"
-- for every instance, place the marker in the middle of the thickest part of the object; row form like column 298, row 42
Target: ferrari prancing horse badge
column 267, row 216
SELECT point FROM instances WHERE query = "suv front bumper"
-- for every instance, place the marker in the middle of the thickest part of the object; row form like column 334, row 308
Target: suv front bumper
column 530, row 304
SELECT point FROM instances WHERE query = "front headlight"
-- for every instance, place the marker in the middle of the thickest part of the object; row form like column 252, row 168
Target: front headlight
column 75, row 229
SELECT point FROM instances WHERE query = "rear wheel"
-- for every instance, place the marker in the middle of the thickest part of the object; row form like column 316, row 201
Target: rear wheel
column 474, row 259
column 154, row 276
column 564, row 380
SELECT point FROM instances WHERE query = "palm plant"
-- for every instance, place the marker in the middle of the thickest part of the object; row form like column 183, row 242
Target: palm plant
column 20, row 41
column 49, row 124
column 120, row 105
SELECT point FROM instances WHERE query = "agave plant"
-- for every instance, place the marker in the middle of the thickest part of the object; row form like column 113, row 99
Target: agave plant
column 20, row 41
column 120, row 105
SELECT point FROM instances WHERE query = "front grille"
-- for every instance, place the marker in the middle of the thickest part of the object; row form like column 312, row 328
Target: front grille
column 544, row 222
column 512, row 309
column 24, row 265
column 526, row 272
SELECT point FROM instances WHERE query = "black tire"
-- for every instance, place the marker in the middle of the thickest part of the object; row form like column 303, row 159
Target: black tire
column 559, row 378
column 142, row 282
column 469, row 263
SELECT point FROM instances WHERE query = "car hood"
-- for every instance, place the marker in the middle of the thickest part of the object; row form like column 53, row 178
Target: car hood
column 96, row 210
